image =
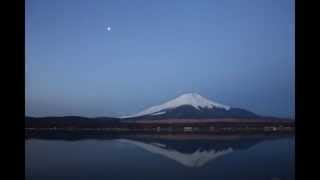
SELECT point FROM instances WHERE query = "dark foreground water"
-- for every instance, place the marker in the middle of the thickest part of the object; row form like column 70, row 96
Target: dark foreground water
column 165, row 158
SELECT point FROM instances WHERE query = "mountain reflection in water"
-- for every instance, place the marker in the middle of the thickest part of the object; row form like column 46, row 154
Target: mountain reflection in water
column 195, row 152
column 197, row 158
column 188, row 150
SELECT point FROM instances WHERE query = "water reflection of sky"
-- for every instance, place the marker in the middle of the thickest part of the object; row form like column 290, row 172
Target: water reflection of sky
column 251, row 158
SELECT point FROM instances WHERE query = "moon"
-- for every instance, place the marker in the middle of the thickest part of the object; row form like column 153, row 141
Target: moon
column 108, row 28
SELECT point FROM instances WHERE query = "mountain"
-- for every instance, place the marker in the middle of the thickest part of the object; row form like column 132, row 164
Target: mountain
column 191, row 106
column 186, row 108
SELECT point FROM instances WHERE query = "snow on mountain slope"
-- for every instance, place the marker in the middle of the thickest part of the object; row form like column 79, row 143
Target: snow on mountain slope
column 192, row 99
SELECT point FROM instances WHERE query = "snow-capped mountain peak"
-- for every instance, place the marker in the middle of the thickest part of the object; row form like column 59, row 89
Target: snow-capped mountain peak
column 196, row 101
column 192, row 99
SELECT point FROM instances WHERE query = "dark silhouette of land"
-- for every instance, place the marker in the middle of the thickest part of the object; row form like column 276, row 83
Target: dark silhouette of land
column 108, row 124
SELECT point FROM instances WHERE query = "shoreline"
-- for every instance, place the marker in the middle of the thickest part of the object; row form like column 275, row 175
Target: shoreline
column 95, row 132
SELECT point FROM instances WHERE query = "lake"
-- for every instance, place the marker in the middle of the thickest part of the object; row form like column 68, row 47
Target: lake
column 169, row 157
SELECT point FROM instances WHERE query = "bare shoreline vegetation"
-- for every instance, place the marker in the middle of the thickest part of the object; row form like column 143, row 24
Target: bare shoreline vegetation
column 80, row 134
column 174, row 126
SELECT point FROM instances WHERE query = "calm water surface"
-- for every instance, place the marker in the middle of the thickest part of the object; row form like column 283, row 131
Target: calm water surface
column 172, row 157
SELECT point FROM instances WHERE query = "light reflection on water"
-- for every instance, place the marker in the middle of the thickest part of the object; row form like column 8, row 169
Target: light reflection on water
column 167, row 157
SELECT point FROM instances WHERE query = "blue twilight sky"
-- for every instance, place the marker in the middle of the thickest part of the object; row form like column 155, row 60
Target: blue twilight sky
column 236, row 52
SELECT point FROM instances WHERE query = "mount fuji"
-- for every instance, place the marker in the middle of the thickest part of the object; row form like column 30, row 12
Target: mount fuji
column 191, row 106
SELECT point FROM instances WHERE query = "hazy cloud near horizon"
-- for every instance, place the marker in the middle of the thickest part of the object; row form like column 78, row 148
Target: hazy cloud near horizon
column 238, row 53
